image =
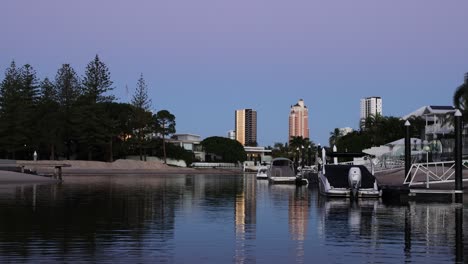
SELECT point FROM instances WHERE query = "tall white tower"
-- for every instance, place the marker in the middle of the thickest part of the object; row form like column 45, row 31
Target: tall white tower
column 370, row 106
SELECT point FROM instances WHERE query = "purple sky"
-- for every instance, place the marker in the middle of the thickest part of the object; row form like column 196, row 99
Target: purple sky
column 204, row 59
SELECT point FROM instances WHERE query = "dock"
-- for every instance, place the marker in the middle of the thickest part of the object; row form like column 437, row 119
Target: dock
column 422, row 188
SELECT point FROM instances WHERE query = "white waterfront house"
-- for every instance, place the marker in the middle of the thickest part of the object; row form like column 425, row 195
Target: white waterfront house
column 436, row 117
column 189, row 142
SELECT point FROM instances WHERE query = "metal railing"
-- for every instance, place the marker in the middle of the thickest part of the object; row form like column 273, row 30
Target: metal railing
column 431, row 173
column 379, row 165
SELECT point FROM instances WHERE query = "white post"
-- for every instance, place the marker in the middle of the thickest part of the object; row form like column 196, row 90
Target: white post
column 427, row 171
column 324, row 159
column 335, row 159
column 35, row 156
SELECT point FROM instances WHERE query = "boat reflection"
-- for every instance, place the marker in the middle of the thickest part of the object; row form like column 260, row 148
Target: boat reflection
column 220, row 219
column 366, row 224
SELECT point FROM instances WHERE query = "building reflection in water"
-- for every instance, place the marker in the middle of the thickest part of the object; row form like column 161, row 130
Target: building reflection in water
column 297, row 199
column 245, row 218
column 299, row 205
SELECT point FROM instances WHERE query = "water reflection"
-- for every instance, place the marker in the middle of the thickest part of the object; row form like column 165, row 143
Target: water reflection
column 429, row 231
column 217, row 219
column 245, row 219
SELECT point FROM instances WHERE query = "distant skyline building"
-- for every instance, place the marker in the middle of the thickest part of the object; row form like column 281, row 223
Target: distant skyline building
column 246, row 127
column 299, row 120
column 370, row 106
column 231, row 134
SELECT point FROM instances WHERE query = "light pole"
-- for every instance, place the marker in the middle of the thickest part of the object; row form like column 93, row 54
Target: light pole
column 302, row 156
column 426, row 149
column 297, row 157
column 335, row 159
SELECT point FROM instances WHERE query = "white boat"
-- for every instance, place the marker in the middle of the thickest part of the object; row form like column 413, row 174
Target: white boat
column 353, row 181
column 282, row 171
column 308, row 172
column 262, row 173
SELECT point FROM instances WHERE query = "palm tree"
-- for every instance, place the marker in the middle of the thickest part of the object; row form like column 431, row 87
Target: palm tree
column 334, row 137
column 460, row 98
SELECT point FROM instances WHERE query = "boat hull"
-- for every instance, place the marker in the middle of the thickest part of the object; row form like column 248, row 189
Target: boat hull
column 327, row 190
column 284, row 180
column 288, row 180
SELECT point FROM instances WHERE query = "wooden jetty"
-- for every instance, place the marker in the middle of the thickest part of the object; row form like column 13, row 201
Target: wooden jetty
column 57, row 167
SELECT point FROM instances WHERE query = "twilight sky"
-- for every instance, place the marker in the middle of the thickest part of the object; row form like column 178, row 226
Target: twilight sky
column 203, row 59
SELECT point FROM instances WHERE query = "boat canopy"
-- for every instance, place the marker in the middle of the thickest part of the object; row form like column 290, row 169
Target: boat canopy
column 337, row 176
column 281, row 162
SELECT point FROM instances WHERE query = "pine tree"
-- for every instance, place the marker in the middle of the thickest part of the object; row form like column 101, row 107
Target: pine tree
column 28, row 119
column 97, row 82
column 49, row 129
column 10, row 138
column 93, row 129
column 67, row 85
column 141, row 116
column 141, row 99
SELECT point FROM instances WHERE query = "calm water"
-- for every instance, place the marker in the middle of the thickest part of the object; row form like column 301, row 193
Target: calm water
column 217, row 219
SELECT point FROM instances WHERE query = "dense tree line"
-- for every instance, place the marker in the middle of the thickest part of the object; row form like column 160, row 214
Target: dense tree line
column 73, row 117
column 377, row 130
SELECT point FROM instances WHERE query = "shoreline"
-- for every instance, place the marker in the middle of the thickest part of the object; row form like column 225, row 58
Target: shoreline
column 45, row 169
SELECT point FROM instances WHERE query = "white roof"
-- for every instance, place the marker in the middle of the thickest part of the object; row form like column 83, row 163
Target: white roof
column 430, row 110
column 402, row 142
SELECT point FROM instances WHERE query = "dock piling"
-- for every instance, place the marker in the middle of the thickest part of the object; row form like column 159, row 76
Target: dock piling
column 458, row 158
column 407, row 148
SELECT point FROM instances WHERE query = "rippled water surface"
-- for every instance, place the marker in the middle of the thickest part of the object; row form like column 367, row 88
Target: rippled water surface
column 217, row 219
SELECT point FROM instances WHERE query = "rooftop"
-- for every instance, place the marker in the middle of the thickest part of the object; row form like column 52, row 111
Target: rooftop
column 430, row 110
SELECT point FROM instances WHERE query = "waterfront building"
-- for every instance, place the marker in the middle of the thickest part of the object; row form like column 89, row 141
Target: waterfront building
column 246, row 127
column 370, row 106
column 299, row 120
column 189, row 142
column 435, row 116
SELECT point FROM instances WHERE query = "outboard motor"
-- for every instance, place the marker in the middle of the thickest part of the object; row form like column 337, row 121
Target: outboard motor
column 354, row 180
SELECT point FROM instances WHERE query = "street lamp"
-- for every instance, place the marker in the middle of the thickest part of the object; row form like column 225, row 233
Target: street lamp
column 427, row 149
column 302, row 156
column 297, row 158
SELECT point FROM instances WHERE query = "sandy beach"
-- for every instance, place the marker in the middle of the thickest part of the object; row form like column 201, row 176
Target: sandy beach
column 80, row 167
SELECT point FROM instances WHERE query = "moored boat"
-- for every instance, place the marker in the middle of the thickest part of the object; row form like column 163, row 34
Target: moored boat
column 353, row 181
column 262, row 173
column 282, row 171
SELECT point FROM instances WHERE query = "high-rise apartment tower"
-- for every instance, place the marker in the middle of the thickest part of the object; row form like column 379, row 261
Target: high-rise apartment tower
column 246, row 127
column 299, row 120
column 370, row 106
